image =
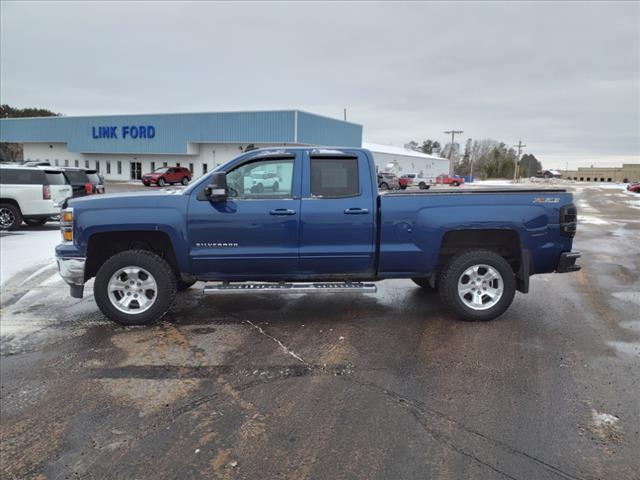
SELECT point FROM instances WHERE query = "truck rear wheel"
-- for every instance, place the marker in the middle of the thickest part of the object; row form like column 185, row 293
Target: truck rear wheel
column 135, row 287
column 478, row 285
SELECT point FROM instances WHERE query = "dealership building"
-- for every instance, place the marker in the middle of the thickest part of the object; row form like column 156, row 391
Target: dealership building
column 123, row 147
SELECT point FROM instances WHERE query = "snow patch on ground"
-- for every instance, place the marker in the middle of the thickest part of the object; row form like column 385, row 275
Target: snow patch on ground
column 632, row 296
column 591, row 220
column 26, row 249
column 633, row 203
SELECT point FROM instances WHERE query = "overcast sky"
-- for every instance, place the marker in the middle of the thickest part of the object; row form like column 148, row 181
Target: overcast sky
column 563, row 77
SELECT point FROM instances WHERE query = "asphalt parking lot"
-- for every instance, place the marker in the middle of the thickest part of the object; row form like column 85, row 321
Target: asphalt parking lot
column 384, row 386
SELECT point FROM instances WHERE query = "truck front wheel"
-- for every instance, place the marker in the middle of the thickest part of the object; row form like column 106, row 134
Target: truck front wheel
column 135, row 287
column 477, row 285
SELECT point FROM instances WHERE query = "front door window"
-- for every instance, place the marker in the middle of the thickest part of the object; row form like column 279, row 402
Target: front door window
column 262, row 180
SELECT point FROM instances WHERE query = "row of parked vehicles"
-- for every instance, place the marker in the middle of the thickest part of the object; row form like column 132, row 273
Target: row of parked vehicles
column 34, row 192
column 390, row 181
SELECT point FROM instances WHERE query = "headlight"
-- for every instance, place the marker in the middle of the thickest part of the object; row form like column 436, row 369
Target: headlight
column 66, row 224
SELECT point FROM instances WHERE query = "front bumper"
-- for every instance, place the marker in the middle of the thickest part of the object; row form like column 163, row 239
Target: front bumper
column 71, row 270
column 567, row 262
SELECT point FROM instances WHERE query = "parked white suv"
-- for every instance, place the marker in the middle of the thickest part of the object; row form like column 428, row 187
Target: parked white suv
column 32, row 194
column 418, row 180
column 259, row 181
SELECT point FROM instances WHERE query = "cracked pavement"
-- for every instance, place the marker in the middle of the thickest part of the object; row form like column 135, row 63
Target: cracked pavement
column 384, row 386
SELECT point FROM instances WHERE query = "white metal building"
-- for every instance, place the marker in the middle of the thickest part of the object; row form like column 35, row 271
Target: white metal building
column 400, row 161
column 124, row 147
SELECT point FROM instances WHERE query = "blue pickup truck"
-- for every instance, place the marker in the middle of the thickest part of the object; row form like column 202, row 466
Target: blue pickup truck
column 311, row 220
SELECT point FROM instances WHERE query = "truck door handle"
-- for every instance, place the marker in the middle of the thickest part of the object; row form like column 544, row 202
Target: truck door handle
column 282, row 211
column 356, row 211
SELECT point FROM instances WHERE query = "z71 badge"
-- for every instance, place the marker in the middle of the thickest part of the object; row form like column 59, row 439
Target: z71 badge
column 546, row 200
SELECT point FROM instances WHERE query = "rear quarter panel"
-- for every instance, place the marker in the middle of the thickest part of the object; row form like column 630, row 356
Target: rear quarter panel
column 413, row 226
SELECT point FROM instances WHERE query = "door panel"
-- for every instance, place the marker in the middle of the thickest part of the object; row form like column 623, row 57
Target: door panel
column 337, row 217
column 255, row 232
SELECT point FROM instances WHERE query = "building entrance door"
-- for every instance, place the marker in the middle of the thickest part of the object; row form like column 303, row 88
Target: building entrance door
column 136, row 170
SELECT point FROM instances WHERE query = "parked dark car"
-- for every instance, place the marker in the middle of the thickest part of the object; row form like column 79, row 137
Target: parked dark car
column 97, row 182
column 388, row 181
column 79, row 181
column 167, row 175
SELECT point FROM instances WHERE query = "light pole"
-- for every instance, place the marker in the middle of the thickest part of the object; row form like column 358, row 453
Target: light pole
column 515, row 170
column 453, row 136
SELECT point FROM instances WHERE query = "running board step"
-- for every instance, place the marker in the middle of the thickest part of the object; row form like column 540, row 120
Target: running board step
column 302, row 287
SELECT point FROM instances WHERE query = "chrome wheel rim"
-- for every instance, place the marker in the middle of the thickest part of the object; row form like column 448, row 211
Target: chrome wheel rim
column 480, row 287
column 6, row 217
column 132, row 290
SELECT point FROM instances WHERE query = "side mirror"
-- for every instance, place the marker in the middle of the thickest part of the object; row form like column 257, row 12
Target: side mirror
column 216, row 191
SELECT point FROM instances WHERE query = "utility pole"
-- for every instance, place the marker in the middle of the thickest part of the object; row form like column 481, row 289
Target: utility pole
column 515, row 170
column 345, row 114
column 453, row 134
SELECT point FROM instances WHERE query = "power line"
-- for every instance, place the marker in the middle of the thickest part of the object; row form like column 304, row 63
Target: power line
column 515, row 170
column 453, row 134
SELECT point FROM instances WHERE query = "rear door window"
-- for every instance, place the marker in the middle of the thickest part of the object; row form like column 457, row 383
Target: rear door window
column 334, row 177
column 94, row 178
column 76, row 177
column 10, row 176
column 55, row 178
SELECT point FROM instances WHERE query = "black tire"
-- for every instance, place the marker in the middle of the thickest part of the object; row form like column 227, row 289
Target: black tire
column 182, row 286
column 163, row 274
column 275, row 187
column 451, row 273
column 185, row 181
column 422, row 186
column 161, row 182
column 424, row 284
column 403, row 187
column 384, row 186
column 455, row 184
column 35, row 222
column 10, row 217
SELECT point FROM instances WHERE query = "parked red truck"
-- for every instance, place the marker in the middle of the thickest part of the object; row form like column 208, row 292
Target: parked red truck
column 449, row 180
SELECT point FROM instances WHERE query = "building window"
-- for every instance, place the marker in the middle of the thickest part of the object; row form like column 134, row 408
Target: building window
column 66, row 163
column 97, row 166
column 191, row 167
column 86, row 164
column 108, row 167
column 582, row 179
column 76, row 163
column 609, row 179
column 119, row 167
column 178, row 164
column 164, row 164
column 204, row 168
column 56, row 162
column 153, row 166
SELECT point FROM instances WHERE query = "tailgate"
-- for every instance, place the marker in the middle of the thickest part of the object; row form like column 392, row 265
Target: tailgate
column 59, row 193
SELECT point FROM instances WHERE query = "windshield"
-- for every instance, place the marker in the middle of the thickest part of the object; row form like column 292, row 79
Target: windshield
column 161, row 170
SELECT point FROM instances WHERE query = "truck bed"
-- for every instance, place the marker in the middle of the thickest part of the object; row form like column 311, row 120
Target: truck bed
column 458, row 190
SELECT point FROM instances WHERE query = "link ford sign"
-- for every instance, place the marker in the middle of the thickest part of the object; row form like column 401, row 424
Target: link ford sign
column 126, row 131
